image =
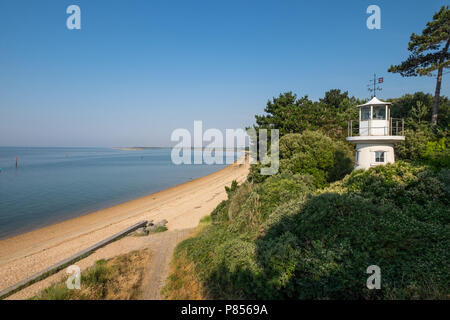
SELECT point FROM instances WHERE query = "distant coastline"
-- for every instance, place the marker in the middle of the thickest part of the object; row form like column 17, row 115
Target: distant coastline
column 192, row 148
column 131, row 148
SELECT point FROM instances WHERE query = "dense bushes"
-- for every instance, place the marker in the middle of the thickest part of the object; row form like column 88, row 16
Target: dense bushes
column 424, row 143
column 312, row 153
column 311, row 231
column 315, row 154
column 395, row 217
column 414, row 145
column 437, row 153
column 285, row 241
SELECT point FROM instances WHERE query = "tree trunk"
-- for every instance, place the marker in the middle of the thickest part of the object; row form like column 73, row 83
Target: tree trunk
column 437, row 93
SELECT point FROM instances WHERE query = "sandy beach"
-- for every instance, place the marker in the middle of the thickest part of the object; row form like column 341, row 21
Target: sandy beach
column 182, row 206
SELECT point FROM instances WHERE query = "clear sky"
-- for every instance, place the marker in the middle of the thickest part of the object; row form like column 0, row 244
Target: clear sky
column 137, row 70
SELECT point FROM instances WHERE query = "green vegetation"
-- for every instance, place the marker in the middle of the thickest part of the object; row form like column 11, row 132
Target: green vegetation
column 290, row 114
column 275, row 241
column 311, row 231
column 424, row 143
column 429, row 52
column 313, row 153
column 158, row 229
column 118, row 278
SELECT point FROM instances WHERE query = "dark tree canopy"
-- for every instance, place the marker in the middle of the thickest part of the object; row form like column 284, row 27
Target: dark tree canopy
column 290, row 114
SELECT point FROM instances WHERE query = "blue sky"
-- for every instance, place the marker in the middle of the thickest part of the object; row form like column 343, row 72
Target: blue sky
column 137, row 70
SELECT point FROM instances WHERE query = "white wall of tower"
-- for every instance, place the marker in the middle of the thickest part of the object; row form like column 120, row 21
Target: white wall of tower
column 365, row 157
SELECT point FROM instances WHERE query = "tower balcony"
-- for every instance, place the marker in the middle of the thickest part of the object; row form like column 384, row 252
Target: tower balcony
column 394, row 127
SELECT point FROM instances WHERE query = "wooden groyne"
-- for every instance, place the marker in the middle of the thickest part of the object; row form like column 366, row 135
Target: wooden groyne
column 67, row 262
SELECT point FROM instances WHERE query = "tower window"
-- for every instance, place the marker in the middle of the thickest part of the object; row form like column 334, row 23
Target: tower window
column 365, row 113
column 379, row 156
column 379, row 113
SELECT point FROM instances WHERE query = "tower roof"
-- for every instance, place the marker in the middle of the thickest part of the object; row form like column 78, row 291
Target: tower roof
column 374, row 102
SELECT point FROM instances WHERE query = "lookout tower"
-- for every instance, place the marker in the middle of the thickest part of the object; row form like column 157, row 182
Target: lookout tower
column 375, row 134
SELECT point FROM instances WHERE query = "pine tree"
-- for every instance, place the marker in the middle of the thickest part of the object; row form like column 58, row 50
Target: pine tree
column 429, row 52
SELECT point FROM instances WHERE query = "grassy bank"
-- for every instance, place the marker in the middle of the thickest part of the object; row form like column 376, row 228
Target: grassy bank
column 118, row 278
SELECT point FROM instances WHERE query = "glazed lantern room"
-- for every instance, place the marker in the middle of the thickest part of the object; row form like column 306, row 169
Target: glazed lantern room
column 374, row 118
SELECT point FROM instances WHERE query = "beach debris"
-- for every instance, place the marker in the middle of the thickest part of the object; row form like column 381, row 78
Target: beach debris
column 150, row 227
column 140, row 232
column 159, row 226
column 161, row 223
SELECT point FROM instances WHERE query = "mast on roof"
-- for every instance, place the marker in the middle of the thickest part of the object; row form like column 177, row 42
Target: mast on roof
column 374, row 85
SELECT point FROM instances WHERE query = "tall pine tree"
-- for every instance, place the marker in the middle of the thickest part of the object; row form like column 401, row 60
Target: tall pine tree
column 429, row 52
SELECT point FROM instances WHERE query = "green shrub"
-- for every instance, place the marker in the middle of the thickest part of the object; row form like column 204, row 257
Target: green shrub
column 220, row 213
column 254, row 174
column 415, row 144
column 55, row 292
column 158, row 229
column 230, row 190
column 306, row 244
column 437, row 154
column 312, row 153
column 315, row 154
column 393, row 216
column 98, row 275
column 252, row 204
column 282, row 188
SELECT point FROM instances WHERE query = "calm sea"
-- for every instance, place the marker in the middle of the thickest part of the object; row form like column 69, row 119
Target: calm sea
column 54, row 184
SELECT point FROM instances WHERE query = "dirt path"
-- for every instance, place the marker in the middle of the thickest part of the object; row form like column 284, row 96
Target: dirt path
column 158, row 267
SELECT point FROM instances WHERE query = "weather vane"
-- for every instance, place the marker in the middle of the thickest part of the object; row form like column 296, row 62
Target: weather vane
column 372, row 86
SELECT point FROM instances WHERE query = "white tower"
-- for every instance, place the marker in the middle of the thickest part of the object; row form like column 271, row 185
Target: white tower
column 375, row 134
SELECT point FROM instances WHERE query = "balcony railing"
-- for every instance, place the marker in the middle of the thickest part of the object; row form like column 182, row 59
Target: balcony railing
column 374, row 127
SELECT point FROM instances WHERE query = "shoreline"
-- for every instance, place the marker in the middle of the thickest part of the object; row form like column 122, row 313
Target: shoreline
column 182, row 205
column 85, row 212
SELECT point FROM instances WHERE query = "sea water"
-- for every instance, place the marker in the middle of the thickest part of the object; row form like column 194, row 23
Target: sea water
column 50, row 185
